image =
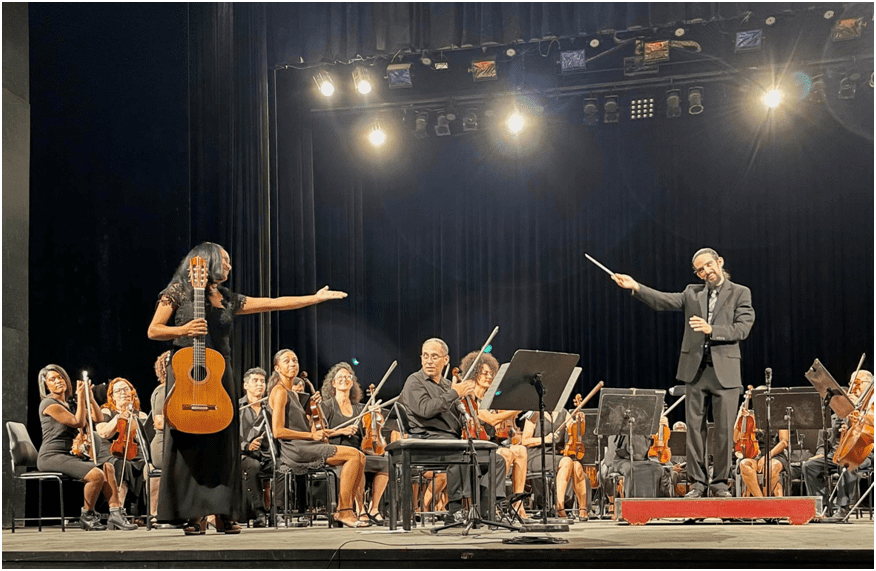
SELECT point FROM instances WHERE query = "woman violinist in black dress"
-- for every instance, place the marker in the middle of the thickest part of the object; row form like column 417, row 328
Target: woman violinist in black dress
column 202, row 473
column 60, row 424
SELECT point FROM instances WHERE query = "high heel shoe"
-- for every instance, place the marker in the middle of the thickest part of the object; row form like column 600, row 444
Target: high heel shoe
column 90, row 521
column 226, row 526
column 117, row 520
column 348, row 523
column 376, row 519
column 196, row 526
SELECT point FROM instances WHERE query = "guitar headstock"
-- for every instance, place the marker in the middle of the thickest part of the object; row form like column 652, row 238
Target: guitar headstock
column 198, row 272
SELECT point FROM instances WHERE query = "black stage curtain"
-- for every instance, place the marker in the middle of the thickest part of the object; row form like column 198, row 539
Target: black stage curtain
column 306, row 32
column 451, row 236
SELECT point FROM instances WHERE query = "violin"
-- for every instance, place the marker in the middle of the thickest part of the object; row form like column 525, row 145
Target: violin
column 84, row 444
column 660, row 448
column 373, row 422
column 472, row 429
column 575, row 441
column 745, row 440
column 593, row 475
column 507, row 431
column 125, row 446
column 313, row 407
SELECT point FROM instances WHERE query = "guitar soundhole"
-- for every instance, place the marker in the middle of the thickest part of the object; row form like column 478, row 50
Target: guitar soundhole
column 198, row 373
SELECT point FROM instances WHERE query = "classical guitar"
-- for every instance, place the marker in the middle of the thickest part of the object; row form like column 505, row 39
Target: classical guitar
column 198, row 403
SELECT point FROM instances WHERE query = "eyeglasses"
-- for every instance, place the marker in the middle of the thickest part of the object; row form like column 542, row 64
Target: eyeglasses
column 121, row 391
column 486, row 374
column 431, row 356
column 343, row 378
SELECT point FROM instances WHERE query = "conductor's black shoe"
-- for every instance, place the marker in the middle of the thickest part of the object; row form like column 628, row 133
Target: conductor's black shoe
column 721, row 494
column 839, row 516
column 694, row 493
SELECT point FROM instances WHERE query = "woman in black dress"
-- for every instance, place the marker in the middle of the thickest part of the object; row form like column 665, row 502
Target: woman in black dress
column 341, row 401
column 303, row 448
column 202, row 473
column 60, row 426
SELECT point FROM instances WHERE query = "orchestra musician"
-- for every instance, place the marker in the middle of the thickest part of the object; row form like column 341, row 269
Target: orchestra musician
column 303, row 446
column 156, row 447
column 255, row 451
column 515, row 455
column 59, row 426
column 813, row 469
column 719, row 316
column 342, row 401
column 122, row 403
column 565, row 468
column 431, row 401
column 780, row 461
column 202, row 474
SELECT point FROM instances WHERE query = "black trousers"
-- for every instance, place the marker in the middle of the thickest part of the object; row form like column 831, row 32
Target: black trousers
column 254, row 473
column 706, row 392
column 459, row 480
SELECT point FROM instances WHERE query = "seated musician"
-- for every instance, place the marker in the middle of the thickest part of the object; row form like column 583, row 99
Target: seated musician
column 749, row 468
column 431, row 401
column 618, row 460
column 156, row 447
column 565, row 468
column 341, row 401
column 255, row 460
column 515, row 455
column 304, row 447
column 813, row 469
column 122, row 403
column 60, row 426
column 678, row 466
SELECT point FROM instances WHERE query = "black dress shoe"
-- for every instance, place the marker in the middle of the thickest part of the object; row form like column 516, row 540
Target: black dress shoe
column 90, row 521
column 721, row 494
column 694, row 493
column 261, row 520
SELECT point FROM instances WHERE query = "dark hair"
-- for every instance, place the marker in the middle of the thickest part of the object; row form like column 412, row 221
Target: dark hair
column 485, row 359
column 328, row 390
column 212, row 254
column 714, row 256
column 254, row 371
column 161, row 364
column 44, row 372
column 275, row 376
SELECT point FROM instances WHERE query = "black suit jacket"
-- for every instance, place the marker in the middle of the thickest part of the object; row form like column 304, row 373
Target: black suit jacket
column 732, row 321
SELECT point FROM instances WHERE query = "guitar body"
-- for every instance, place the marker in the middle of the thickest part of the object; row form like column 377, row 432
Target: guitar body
column 198, row 406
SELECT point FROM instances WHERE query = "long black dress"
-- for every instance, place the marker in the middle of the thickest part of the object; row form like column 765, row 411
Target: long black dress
column 202, row 474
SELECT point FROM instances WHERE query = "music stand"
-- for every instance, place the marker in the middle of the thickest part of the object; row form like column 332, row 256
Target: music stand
column 833, row 398
column 628, row 412
column 799, row 407
column 552, row 375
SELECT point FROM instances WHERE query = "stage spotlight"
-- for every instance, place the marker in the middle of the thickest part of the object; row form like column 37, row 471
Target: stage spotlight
column 399, row 76
column 772, row 98
column 362, row 80
column 642, row 108
column 377, row 136
column 324, row 83
column 611, row 109
column 420, row 125
column 484, row 69
column 515, row 122
column 673, row 103
column 695, row 100
column 848, row 86
column 470, row 121
column 442, row 127
column 591, row 112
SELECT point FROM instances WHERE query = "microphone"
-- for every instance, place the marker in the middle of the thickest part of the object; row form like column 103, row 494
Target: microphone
column 677, row 390
column 769, row 376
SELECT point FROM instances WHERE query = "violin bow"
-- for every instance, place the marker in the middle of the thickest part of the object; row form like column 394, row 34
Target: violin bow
column 481, row 352
column 675, row 404
column 88, row 402
column 371, row 399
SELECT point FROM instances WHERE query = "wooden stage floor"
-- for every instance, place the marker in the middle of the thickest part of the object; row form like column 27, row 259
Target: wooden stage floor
column 664, row 543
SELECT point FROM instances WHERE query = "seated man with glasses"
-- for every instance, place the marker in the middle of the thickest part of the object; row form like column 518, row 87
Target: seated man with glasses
column 431, row 401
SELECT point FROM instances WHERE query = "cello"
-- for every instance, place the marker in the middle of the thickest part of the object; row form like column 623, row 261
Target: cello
column 198, row 403
column 856, row 442
column 744, row 437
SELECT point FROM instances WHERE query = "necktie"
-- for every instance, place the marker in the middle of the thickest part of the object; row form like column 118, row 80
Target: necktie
column 713, row 298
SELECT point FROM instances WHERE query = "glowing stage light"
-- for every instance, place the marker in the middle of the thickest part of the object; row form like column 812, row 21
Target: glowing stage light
column 324, row 83
column 377, row 136
column 515, row 122
column 772, row 98
column 362, row 80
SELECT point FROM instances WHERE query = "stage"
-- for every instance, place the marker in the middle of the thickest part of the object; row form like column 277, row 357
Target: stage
column 663, row 543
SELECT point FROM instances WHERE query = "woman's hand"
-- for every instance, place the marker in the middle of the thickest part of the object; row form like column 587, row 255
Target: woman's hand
column 194, row 328
column 326, row 294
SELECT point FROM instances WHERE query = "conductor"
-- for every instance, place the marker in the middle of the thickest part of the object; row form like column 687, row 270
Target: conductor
column 719, row 315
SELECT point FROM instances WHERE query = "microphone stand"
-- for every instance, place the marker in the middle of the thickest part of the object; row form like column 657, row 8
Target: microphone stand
column 768, row 441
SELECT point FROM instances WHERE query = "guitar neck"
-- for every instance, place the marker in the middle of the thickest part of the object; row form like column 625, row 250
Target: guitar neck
column 199, row 341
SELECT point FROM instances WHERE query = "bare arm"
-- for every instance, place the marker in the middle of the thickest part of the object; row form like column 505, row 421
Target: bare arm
column 278, row 401
column 494, row 418
column 159, row 330
column 529, row 440
column 266, row 304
